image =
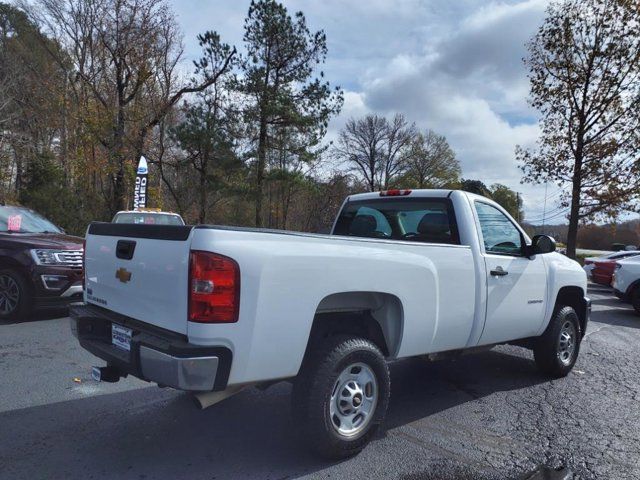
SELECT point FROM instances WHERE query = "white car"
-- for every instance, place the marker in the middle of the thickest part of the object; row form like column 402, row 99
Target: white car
column 626, row 281
column 404, row 273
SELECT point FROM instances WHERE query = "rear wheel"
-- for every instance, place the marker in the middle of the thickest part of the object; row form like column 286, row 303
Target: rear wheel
column 556, row 351
column 341, row 395
column 635, row 299
column 15, row 298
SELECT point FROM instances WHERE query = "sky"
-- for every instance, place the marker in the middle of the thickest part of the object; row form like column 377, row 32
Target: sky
column 451, row 66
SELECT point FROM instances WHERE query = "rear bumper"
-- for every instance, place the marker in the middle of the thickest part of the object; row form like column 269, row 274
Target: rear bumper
column 156, row 355
column 601, row 278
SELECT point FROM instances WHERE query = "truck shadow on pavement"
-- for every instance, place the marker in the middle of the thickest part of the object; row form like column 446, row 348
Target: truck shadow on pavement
column 38, row 315
column 152, row 433
column 618, row 313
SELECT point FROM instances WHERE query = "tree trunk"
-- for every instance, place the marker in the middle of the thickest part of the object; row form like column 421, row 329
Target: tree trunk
column 19, row 173
column 203, row 196
column 574, row 216
column 119, row 200
column 119, row 190
column 262, row 155
column 572, row 234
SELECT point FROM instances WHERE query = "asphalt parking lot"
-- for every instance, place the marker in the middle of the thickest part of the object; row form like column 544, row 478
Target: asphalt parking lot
column 483, row 416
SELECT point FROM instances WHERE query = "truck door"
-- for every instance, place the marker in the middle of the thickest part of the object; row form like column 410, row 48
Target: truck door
column 516, row 284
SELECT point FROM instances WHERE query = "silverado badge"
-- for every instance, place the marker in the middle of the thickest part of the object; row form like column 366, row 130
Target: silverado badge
column 123, row 275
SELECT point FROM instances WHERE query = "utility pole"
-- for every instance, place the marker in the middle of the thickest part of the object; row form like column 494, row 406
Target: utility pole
column 544, row 208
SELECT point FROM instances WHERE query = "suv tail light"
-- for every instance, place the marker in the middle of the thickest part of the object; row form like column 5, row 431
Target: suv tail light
column 214, row 288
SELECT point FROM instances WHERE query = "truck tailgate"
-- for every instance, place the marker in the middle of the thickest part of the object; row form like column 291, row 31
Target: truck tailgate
column 140, row 271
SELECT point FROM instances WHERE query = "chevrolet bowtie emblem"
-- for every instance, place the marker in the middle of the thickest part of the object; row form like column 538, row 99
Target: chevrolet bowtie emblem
column 123, row 275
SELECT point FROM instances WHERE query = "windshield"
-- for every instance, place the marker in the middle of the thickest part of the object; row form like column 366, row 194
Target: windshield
column 148, row 218
column 23, row 220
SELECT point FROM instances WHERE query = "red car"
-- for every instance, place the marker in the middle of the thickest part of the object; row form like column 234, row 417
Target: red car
column 602, row 271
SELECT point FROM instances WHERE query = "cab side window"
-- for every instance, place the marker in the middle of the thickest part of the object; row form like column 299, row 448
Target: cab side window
column 500, row 235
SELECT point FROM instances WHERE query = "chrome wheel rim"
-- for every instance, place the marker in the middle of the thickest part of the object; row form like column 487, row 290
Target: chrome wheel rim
column 9, row 295
column 353, row 400
column 567, row 343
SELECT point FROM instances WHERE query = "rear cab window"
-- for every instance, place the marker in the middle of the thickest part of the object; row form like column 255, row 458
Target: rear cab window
column 426, row 220
column 143, row 218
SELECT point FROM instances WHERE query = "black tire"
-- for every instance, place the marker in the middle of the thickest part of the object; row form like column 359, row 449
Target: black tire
column 635, row 299
column 553, row 355
column 11, row 282
column 318, row 381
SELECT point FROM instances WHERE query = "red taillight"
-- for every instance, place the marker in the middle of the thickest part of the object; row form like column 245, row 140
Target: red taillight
column 394, row 193
column 214, row 288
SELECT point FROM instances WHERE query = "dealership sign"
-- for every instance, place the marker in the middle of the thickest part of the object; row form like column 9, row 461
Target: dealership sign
column 140, row 191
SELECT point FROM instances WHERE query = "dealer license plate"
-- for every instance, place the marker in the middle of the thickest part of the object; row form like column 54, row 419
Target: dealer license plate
column 121, row 336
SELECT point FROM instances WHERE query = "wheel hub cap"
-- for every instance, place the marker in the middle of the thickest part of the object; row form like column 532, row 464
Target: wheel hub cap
column 9, row 294
column 353, row 399
column 567, row 343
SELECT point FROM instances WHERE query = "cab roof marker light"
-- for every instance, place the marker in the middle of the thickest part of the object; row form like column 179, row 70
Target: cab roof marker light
column 395, row 193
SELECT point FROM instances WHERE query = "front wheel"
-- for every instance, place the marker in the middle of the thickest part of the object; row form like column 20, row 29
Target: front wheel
column 556, row 351
column 15, row 301
column 341, row 395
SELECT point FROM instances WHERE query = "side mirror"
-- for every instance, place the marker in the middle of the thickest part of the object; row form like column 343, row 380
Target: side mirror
column 542, row 244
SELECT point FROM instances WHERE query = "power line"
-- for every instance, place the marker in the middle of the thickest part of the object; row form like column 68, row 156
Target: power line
column 549, row 215
column 544, row 208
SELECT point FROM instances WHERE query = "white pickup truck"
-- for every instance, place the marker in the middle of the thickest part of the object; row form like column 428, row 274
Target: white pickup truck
column 403, row 273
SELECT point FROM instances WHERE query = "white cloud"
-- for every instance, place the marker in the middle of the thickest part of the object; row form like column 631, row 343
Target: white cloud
column 455, row 67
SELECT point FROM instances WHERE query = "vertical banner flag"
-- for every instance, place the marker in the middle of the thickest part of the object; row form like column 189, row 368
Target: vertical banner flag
column 140, row 191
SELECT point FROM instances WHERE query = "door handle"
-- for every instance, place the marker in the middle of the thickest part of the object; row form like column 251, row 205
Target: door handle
column 125, row 249
column 499, row 272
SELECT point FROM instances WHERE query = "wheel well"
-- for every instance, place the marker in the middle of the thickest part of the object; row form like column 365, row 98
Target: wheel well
column 632, row 287
column 573, row 297
column 355, row 323
column 372, row 315
column 9, row 263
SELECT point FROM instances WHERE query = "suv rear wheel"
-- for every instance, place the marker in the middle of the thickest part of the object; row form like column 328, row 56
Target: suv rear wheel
column 14, row 295
column 341, row 395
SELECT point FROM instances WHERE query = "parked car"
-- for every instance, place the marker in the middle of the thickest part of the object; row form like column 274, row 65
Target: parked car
column 404, row 273
column 601, row 268
column 40, row 266
column 148, row 217
column 626, row 281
